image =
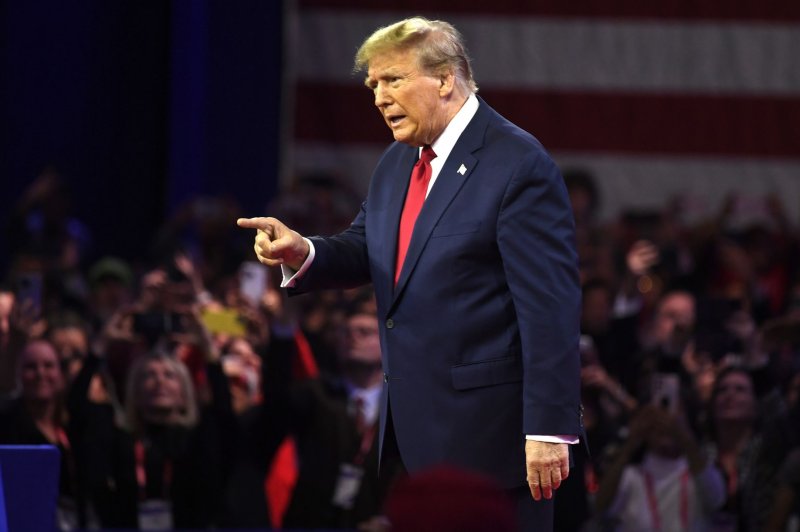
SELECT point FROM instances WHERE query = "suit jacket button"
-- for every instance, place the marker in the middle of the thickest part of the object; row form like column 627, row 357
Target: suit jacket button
column 390, row 323
column 385, row 377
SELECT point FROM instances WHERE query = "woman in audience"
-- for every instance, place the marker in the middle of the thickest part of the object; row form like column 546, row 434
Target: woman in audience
column 660, row 479
column 734, row 435
column 38, row 416
column 162, row 462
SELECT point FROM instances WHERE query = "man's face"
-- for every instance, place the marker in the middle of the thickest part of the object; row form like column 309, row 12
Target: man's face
column 676, row 314
column 361, row 341
column 410, row 101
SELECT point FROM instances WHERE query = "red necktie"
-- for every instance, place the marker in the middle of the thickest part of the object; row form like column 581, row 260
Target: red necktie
column 417, row 189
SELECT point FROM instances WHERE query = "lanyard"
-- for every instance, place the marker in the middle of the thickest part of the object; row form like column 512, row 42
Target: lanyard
column 653, row 501
column 72, row 468
column 366, row 443
column 141, row 472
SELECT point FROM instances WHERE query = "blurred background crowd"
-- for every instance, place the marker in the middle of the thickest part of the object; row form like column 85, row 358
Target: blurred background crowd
column 185, row 390
column 187, row 380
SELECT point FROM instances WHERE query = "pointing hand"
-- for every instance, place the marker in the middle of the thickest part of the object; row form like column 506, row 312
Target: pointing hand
column 275, row 243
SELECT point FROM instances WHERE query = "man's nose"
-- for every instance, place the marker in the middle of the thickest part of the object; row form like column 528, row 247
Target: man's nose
column 381, row 96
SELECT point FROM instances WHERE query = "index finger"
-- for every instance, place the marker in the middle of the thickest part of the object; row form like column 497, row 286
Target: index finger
column 255, row 223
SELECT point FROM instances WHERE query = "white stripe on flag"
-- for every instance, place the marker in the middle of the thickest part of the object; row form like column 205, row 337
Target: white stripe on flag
column 584, row 54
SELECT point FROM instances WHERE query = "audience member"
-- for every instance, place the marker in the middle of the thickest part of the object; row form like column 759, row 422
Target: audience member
column 69, row 335
column 273, row 385
column 733, row 427
column 110, row 289
column 37, row 415
column 672, row 487
column 334, row 421
column 611, row 317
column 264, row 468
column 166, row 463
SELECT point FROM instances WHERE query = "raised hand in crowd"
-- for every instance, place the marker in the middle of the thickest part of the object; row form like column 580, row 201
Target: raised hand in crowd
column 642, row 256
column 186, row 266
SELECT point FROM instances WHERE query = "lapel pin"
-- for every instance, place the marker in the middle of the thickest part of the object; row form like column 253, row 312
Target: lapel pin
column 462, row 170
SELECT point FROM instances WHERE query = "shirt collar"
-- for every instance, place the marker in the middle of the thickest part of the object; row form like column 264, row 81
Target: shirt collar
column 447, row 140
column 364, row 393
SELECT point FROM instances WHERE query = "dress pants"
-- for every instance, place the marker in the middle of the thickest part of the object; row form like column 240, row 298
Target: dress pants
column 532, row 516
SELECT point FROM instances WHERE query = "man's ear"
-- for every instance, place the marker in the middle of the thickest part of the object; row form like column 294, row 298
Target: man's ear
column 447, row 82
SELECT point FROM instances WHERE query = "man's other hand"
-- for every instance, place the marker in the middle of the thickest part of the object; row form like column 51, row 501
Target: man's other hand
column 547, row 465
column 275, row 243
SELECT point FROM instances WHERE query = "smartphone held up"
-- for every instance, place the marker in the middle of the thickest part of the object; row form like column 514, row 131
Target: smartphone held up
column 253, row 281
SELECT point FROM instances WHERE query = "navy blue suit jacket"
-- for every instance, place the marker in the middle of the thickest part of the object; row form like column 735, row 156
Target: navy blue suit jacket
column 480, row 335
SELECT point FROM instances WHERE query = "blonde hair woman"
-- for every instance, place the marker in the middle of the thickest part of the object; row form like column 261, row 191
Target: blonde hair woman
column 160, row 391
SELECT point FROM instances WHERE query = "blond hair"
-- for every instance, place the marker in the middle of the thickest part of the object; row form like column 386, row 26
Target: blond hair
column 439, row 47
column 134, row 420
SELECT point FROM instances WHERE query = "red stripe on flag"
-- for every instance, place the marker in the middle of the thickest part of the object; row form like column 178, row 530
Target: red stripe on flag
column 712, row 10
column 585, row 121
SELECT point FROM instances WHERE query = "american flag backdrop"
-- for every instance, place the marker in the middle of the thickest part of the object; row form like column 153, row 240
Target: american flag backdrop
column 692, row 97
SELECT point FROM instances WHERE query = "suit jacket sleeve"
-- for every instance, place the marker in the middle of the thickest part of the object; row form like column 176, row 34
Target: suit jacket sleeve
column 341, row 260
column 535, row 231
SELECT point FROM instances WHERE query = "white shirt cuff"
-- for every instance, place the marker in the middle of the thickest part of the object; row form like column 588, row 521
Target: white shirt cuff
column 289, row 275
column 572, row 440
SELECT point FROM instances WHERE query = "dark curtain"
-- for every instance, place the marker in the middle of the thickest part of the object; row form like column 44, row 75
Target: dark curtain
column 140, row 106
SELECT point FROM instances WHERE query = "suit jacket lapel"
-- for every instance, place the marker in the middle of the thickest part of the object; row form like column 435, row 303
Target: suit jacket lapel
column 456, row 170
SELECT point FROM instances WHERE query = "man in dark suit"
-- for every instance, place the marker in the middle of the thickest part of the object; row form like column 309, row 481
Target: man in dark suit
column 478, row 294
column 333, row 419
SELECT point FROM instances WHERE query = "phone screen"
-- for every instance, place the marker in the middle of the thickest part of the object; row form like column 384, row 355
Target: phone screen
column 225, row 321
column 253, row 278
column 666, row 391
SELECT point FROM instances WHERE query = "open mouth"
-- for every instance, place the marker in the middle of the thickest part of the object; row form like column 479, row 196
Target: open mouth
column 395, row 120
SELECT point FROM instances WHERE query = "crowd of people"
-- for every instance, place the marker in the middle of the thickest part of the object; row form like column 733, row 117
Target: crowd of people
column 184, row 389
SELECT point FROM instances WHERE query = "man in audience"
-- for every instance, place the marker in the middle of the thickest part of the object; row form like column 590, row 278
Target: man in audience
column 334, row 420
